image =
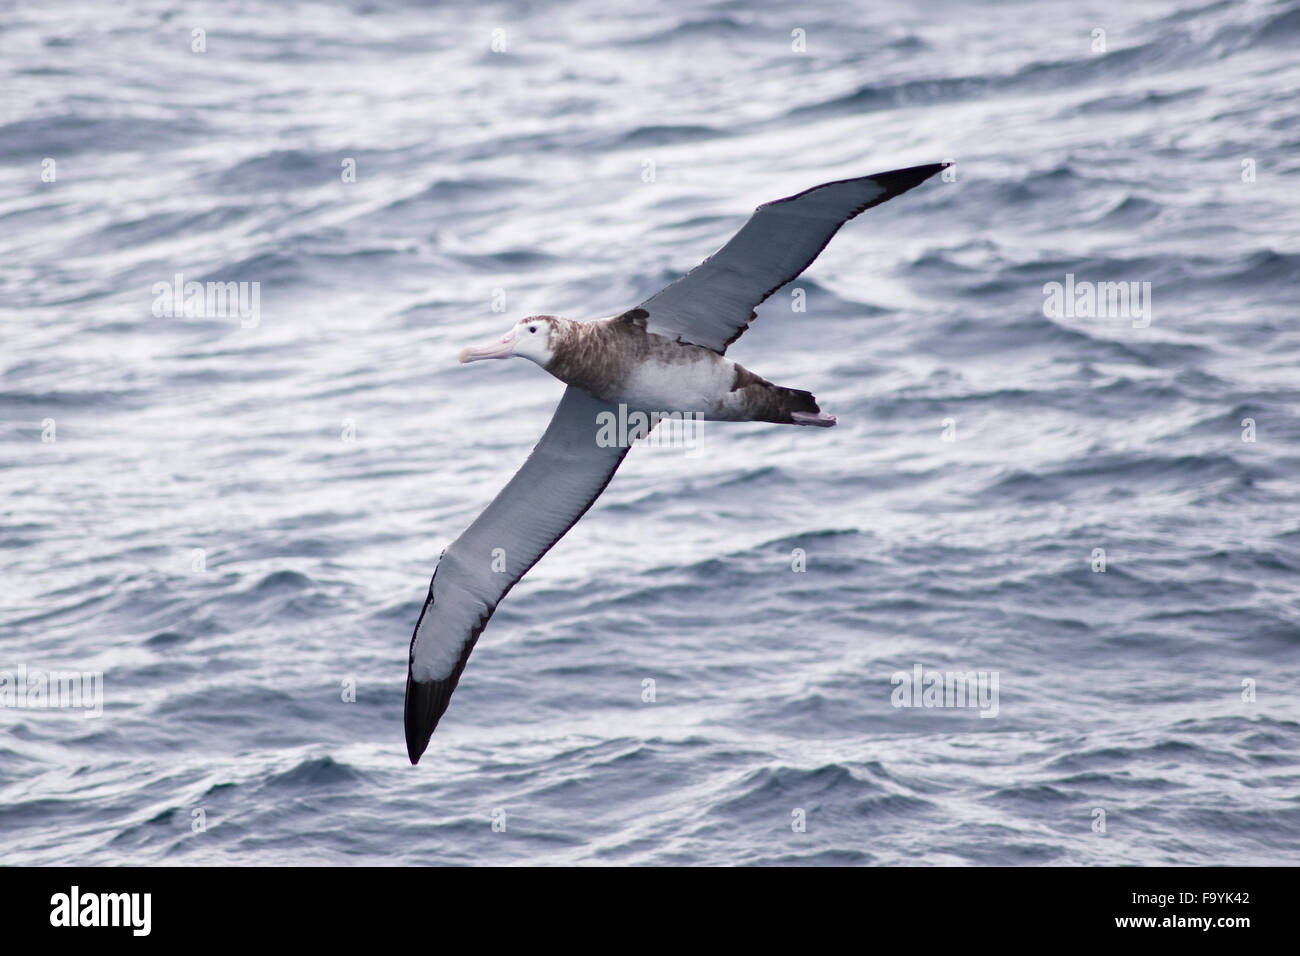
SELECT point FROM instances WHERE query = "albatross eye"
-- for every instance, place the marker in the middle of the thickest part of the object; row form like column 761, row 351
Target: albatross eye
column 532, row 328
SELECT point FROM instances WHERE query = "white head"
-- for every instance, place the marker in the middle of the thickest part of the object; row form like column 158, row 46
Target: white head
column 532, row 338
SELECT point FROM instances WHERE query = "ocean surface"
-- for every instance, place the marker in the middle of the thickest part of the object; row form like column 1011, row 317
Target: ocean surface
column 233, row 517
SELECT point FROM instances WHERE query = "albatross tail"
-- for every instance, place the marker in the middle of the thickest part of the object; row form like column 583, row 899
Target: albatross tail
column 761, row 401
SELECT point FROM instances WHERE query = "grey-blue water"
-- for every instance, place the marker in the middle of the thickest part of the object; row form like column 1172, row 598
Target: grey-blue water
column 234, row 521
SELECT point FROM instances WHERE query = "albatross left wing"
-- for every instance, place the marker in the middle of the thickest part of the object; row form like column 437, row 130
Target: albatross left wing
column 561, row 479
column 713, row 303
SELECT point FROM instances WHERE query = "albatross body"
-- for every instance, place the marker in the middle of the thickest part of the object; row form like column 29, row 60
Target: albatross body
column 663, row 357
column 620, row 361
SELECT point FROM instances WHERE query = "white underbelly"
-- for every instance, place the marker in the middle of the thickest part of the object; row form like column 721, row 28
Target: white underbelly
column 700, row 386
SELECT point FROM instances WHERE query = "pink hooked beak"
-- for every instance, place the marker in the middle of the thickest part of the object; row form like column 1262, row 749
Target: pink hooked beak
column 502, row 348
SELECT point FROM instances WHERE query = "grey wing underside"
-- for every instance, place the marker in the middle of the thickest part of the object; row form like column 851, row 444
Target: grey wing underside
column 713, row 303
column 563, row 476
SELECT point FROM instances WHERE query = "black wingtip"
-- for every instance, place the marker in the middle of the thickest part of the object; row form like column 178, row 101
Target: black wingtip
column 422, row 714
column 892, row 183
column 901, row 180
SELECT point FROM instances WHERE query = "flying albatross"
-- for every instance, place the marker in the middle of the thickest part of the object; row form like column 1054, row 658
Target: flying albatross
column 662, row 357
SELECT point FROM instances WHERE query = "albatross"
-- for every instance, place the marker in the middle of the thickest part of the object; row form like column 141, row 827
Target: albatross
column 666, row 356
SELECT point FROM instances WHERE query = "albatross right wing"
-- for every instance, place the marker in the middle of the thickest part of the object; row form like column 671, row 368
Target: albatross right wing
column 561, row 479
column 713, row 303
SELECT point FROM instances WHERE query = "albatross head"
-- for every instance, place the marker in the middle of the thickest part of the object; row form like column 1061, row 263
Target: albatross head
column 532, row 338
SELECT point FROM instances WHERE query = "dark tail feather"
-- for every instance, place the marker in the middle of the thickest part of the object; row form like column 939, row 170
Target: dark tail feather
column 797, row 400
column 776, row 403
